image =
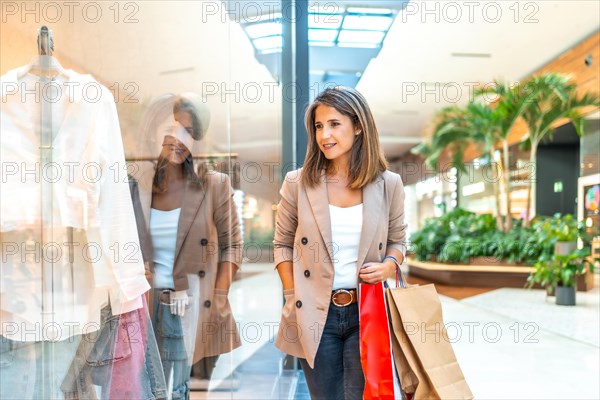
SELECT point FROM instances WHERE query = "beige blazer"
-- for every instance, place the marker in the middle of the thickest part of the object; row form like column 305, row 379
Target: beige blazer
column 303, row 236
column 208, row 233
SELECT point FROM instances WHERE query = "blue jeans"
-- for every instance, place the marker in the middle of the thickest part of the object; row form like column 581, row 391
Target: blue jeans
column 34, row 370
column 337, row 374
column 171, row 345
column 121, row 359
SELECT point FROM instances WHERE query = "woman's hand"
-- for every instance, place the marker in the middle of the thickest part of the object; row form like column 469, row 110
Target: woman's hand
column 179, row 300
column 374, row 272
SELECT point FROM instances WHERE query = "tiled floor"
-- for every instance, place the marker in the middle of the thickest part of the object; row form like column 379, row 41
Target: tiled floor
column 254, row 368
column 518, row 348
column 510, row 343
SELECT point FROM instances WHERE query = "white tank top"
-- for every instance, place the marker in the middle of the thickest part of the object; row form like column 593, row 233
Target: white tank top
column 163, row 230
column 346, row 226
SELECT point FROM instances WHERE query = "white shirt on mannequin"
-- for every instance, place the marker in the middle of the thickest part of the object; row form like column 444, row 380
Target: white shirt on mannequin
column 100, row 257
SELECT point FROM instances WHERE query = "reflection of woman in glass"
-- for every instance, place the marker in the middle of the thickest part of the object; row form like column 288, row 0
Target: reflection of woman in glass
column 340, row 220
column 191, row 242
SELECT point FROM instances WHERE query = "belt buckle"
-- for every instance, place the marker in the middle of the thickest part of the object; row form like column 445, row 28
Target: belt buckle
column 342, row 291
column 165, row 294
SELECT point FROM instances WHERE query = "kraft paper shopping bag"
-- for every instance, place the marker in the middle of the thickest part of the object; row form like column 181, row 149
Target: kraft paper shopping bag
column 426, row 361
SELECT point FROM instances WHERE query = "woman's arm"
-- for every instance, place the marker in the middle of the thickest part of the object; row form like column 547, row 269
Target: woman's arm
column 397, row 227
column 225, row 273
column 286, row 274
column 228, row 231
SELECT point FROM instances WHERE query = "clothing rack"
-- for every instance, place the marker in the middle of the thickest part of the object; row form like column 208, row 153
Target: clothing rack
column 205, row 156
column 45, row 49
column 232, row 170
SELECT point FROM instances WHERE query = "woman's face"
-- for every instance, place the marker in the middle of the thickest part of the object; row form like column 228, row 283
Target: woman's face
column 335, row 133
column 174, row 134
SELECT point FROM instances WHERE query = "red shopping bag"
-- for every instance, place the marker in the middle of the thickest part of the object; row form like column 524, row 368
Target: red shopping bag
column 375, row 345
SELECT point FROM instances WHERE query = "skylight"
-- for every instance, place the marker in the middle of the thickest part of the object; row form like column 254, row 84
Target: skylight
column 365, row 37
column 322, row 35
column 366, row 22
column 337, row 35
column 328, row 25
column 324, row 21
column 374, row 11
column 326, row 8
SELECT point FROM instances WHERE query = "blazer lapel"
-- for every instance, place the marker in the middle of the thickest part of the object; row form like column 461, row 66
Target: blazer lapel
column 372, row 208
column 319, row 203
column 192, row 200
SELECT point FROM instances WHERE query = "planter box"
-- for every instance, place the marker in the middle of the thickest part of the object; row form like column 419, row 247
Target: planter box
column 482, row 261
column 471, row 275
column 494, row 261
column 482, row 275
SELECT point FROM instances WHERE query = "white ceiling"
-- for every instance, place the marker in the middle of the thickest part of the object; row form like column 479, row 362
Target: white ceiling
column 399, row 83
column 180, row 46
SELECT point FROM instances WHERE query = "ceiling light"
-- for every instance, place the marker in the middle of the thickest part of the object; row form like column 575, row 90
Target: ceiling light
column 322, row 35
column 362, row 10
column 371, row 23
column 324, row 21
column 328, row 8
column 365, row 37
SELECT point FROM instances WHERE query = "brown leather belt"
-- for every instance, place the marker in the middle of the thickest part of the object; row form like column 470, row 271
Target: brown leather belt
column 164, row 296
column 344, row 297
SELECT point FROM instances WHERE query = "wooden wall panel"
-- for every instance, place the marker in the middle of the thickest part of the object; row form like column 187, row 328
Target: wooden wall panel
column 571, row 62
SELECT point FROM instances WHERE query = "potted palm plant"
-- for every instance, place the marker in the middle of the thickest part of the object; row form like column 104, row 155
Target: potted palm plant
column 509, row 104
column 551, row 98
column 559, row 273
column 456, row 128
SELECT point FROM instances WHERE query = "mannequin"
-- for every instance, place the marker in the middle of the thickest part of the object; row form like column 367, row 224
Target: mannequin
column 53, row 290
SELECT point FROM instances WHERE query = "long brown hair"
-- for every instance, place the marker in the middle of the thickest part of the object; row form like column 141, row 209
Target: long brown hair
column 162, row 108
column 159, row 183
column 367, row 160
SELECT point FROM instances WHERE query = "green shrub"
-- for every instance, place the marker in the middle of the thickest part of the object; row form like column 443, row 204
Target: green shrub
column 459, row 235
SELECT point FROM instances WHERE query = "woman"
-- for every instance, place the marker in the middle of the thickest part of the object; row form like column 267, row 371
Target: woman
column 191, row 241
column 340, row 221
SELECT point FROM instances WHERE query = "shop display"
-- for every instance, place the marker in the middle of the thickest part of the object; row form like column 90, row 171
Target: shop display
column 72, row 274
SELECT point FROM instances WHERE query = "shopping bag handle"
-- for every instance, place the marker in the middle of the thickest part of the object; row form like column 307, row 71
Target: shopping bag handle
column 400, row 278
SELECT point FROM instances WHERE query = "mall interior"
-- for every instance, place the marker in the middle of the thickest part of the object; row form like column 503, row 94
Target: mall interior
column 489, row 197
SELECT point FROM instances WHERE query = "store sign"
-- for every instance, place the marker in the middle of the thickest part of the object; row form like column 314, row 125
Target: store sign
column 558, row 187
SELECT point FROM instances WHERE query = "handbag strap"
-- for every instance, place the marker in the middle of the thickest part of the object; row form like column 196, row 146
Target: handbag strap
column 400, row 277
